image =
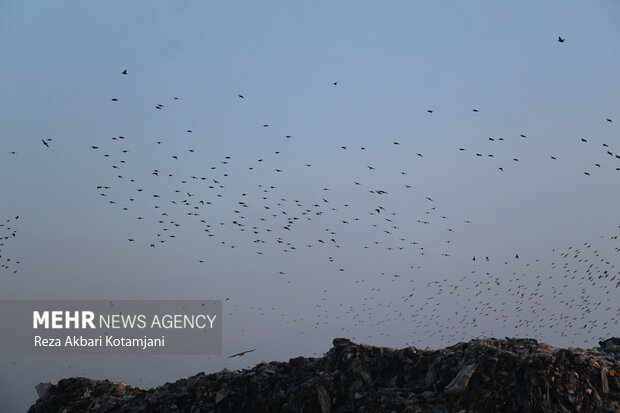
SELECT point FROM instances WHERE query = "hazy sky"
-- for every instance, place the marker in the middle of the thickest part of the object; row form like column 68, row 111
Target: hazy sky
column 299, row 253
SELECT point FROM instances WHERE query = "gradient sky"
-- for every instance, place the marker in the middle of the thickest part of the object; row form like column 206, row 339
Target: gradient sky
column 61, row 66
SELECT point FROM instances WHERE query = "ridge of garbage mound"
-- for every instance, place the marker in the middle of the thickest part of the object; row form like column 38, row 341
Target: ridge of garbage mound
column 482, row 375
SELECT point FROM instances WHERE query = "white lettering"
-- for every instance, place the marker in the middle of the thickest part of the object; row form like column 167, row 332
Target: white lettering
column 87, row 319
column 46, row 342
column 211, row 320
column 75, row 319
column 57, row 319
column 37, row 319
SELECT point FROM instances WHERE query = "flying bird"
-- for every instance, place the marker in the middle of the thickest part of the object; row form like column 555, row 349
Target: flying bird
column 560, row 39
column 243, row 353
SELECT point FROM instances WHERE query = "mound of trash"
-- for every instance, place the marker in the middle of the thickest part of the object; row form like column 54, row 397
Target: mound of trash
column 484, row 375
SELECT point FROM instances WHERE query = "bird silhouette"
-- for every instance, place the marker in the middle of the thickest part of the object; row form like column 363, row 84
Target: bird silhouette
column 243, row 353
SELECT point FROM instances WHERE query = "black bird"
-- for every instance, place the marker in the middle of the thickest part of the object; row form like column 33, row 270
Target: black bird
column 241, row 96
column 560, row 39
column 124, row 72
column 608, row 120
column 45, row 143
column 335, row 83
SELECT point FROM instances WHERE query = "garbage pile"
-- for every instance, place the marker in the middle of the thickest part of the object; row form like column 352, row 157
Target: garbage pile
column 484, row 375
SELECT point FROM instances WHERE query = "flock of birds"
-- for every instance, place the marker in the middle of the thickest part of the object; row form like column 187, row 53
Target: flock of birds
column 8, row 232
column 235, row 206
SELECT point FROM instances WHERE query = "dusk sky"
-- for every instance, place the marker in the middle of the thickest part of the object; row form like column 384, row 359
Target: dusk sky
column 346, row 163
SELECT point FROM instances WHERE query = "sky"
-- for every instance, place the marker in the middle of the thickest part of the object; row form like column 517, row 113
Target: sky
column 303, row 254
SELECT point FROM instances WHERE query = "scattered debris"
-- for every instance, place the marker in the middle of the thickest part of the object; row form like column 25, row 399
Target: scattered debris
column 484, row 375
